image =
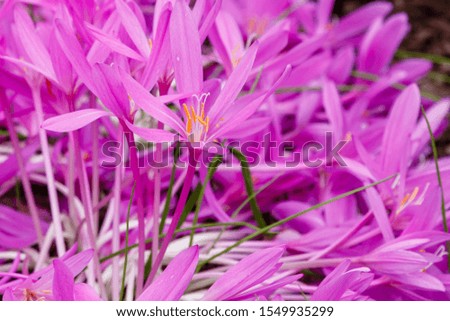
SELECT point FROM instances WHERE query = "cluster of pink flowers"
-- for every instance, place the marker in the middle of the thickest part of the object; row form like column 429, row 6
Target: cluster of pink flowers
column 217, row 150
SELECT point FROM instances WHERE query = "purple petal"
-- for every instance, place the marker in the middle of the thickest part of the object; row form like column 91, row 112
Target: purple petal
column 249, row 271
column 151, row 134
column 360, row 19
column 159, row 57
column 133, row 27
column 401, row 122
column 83, row 292
column 324, row 9
column 174, row 280
column 152, row 105
column 62, row 282
column 32, row 44
column 74, row 52
column 234, row 84
column 72, row 121
column 380, row 213
column 186, row 51
column 113, row 44
column 379, row 46
column 333, row 108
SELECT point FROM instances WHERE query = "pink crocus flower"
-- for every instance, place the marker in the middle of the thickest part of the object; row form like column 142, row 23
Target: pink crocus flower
column 343, row 284
column 407, row 260
column 55, row 283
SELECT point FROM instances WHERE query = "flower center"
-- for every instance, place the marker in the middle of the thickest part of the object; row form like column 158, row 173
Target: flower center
column 197, row 125
column 257, row 25
column 30, row 295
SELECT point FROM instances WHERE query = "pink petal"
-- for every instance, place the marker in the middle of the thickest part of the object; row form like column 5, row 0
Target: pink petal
column 242, row 276
column 186, row 51
column 401, row 122
column 174, row 280
column 159, row 56
column 151, row 105
column 62, row 282
column 72, row 121
column 133, row 27
column 378, row 49
column 75, row 54
column 360, row 19
column 227, row 40
column 32, row 44
column 76, row 264
column 113, row 44
column 324, row 9
column 83, row 292
column 243, row 108
column 234, row 84
column 380, row 213
column 333, row 108
column 151, row 134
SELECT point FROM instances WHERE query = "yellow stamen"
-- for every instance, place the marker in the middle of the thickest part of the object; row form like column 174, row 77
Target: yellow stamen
column 207, row 125
column 408, row 199
column 414, row 194
column 196, row 123
column 404, row 200
column 348, row 136
column 201, row 121
column 189, row 119
column 202, row 112
column 194, row 115
column 150, row 43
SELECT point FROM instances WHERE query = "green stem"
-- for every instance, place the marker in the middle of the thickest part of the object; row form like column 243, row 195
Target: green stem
column 249, row 186
column 289, row 218
column 181, row 230
column 441, row 188
column 170, row 190
column 211, row 170
column 437, row 59
column 122, row 291
column 398, row 86
column 240, row 207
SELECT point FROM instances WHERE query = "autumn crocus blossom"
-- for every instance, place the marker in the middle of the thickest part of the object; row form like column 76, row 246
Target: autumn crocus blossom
column 324, row 184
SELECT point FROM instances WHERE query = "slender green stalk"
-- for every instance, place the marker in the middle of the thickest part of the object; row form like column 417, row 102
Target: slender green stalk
column 170, row 189
column 398, row 86
column 192, row 200
column 439, row 77
column 289, row 218
column 249, row 186
column 194, row 155
column 181, row 230
column 256, row 82
column 211, row 170
column 300, row 89
column 437, row 59
column 122, row 291
column 240, row 207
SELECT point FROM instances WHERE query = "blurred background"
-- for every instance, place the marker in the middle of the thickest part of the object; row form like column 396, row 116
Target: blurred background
column 429, row 35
